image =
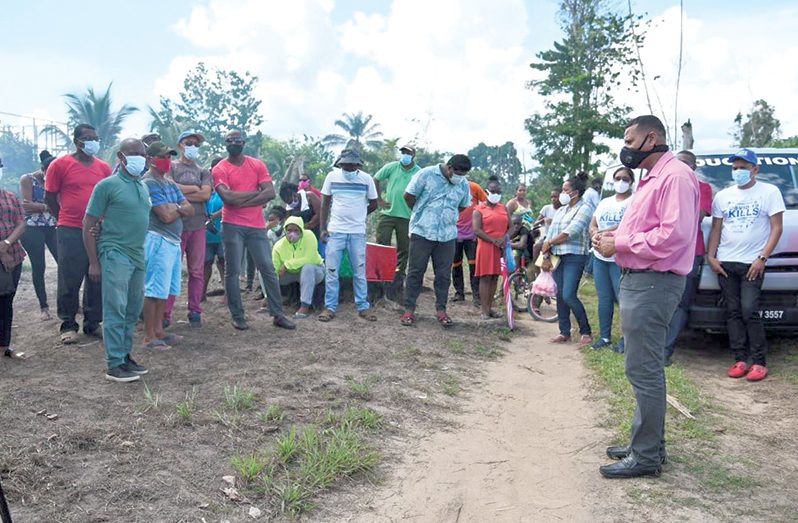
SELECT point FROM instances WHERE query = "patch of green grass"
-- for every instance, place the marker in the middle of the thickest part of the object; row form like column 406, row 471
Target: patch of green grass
column 273, row 414
column 152, row 399
column 184, row 408
column 361, row 417
column 239, row 398
column 286, row 446
column 717, row 476
column 457, row 347
column 359, row 389
column 450, row 384
column 488, row 352
column 249, row 467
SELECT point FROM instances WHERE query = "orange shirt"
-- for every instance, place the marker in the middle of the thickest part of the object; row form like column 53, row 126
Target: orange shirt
column 465, row 227
column 74, row 183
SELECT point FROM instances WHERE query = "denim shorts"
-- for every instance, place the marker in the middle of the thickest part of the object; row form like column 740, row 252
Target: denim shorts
column 212, row 251
column 163, row 258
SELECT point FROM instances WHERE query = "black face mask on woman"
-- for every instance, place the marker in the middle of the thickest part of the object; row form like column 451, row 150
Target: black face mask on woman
column 632, row 158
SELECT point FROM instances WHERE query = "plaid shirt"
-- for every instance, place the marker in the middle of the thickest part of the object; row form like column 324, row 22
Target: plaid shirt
column 11, row 213
column 574, row 221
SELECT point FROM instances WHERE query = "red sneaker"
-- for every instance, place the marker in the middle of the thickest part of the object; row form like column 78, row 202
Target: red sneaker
column 757, row 373
column 738, row 370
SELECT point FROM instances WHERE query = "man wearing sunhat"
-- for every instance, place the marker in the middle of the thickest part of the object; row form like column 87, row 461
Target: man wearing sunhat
column 196, row 184
column 348, row 196
column 395, row 215
column 746, row 226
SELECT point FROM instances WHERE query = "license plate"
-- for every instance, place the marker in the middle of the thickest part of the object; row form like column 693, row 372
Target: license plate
column 771, row 315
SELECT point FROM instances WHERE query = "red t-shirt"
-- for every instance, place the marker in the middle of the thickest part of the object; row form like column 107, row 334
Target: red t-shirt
column 74, row 183
column 247, row 177
column 705, row 204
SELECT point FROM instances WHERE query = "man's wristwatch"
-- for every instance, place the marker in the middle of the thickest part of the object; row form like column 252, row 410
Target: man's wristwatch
column 763, row 258
column 7, row 242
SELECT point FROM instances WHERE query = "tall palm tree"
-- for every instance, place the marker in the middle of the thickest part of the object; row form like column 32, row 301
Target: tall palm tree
column 95, row 110
column 360, row 132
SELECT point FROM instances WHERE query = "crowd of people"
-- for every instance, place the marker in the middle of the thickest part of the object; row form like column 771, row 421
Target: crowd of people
column 120, row 234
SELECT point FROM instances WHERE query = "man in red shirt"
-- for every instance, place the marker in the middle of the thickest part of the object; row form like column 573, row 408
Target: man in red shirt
column 655, row 247
column 679, row 319
column 244, row 185
column 68, row 186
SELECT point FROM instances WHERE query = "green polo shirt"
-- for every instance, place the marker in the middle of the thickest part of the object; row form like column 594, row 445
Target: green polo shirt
column 398, row 178
column 124, row 205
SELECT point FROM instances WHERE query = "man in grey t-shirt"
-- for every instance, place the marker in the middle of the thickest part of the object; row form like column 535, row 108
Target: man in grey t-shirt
column 196, row 185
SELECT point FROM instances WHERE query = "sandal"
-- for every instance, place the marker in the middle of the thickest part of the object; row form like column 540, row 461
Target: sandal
column 14, row 355
column 158, row 345
column 408, row 319
column 171, row 338
column 326, row 315
column 444, row 319
column 560, row 339
column 367, row 314
column 69, row 337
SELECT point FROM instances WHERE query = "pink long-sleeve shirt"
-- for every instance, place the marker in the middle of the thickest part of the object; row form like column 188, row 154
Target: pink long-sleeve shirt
column 658, row 230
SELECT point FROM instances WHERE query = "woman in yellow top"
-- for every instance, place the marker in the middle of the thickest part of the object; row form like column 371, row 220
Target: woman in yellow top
column 519, row 204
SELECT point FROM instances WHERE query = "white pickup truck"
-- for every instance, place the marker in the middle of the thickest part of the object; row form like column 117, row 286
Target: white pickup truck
column 779, row 299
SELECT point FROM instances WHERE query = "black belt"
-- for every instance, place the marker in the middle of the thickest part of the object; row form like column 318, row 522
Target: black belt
column 637, row 271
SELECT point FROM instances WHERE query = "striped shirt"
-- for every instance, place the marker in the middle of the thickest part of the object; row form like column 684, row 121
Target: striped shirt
column 350, row 193
column 574, row 221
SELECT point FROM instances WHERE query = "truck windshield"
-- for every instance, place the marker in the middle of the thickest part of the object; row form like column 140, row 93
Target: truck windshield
column 780, row 170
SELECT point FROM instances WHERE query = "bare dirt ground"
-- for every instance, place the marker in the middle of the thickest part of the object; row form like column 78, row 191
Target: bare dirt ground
column 474, row 427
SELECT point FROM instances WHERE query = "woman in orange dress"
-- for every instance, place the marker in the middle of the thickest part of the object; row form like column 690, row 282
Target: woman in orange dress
column 491, row 223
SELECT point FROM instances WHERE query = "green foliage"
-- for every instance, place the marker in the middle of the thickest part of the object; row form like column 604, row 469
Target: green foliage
column 497, row 160
column 361, row 133
column 760, row 128
column 315, row 159
column 19, row 157
column 792, row 141
column 212, row 102
column 583, row 72
column 239, row 398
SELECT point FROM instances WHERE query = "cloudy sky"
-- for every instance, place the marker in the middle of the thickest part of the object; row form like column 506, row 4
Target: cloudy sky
column 449, row 73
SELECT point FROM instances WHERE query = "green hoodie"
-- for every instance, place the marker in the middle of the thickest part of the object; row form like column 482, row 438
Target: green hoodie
column 294, row 256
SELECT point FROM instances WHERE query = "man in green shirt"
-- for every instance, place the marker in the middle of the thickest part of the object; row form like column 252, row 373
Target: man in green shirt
column 122, row 203
column 395, row 214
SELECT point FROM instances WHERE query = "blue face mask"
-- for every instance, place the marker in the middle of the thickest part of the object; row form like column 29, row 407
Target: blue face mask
column 741, row 176
column 91, row 147
column 406, row 159
column 191, row 152
column 135, row 165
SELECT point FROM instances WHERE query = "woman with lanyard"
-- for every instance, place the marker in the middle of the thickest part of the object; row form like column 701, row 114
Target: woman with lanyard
column 606, row 274
column 491, row 222
column 40, row 231
column 567, row 238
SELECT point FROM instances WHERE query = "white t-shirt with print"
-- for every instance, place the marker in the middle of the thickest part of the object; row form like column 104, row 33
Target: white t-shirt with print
column 350, row 194
column 609, row 214
column 746, row 220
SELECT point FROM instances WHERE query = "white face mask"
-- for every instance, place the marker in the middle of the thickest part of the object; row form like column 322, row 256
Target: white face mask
column 565, row 198
column 494, row 198
column 191, row 152
column 91, row 147
column 136, row 165
column 621, row 186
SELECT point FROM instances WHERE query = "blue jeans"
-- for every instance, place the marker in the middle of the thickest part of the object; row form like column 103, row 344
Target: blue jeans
column 123, row 298
column 355, row 245
column 607, row 277
column 567, row 277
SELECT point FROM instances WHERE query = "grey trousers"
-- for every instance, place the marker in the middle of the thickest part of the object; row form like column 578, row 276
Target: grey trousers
column 647, row 303
column 308, row 278
column 236, row 238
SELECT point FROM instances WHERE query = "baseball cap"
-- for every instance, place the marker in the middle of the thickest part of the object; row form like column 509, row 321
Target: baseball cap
column 745, row 154
column 409, row 146
column 186, row 134
column 160, row 149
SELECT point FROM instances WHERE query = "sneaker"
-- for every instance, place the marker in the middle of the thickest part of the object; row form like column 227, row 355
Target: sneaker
column 194, row 319
column 757, row 373
column 134, row 367
column 241, row 324
column 739, row 369
column 121, row 374
column 619, row 347
column 96, row 332
column 601, row 343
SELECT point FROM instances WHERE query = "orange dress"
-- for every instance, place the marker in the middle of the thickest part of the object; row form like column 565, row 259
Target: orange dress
column 495, row 223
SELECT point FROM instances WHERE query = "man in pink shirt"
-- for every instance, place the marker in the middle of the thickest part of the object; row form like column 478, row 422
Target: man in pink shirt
column 68, row 186
column 679, row 319
column 655, row 247
column 244, row 185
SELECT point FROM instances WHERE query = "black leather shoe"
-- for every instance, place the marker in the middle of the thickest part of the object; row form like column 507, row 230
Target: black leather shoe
column 241, row 325
column 283, row 323
column 629, row 468
column 623, row 452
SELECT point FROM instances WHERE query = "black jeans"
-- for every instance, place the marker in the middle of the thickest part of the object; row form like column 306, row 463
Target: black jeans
column 7, row 309
column 465, row 249
column 34, row 240
column 442, row 254
column 743, row 323
column 73, row 270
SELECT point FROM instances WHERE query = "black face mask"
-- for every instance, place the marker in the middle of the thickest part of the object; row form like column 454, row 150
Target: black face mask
column 234, row 149
column 632, row 158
